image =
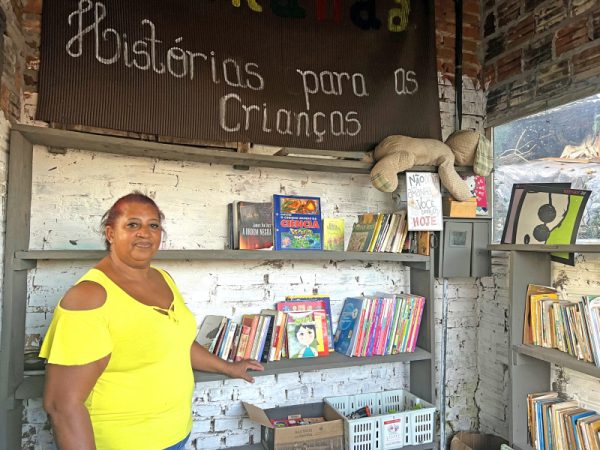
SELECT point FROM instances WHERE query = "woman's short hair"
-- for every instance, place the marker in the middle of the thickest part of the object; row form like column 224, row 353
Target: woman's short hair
column 116, row 210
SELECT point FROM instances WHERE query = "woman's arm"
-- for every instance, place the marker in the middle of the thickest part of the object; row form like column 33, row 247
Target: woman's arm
column 67, row 387
column 65, row 391
column 204, row 360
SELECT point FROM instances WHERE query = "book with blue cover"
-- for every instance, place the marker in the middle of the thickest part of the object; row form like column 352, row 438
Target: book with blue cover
column 347, row 329
column 297, row 222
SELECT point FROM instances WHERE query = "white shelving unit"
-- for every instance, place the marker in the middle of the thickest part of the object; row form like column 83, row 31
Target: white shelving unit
column 529, row 365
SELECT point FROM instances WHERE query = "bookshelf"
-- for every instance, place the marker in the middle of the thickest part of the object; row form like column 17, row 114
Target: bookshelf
column 16, row 385
column 529, row 365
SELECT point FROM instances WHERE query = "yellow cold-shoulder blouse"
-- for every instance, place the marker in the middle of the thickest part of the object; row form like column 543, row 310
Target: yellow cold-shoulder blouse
column 143, row 398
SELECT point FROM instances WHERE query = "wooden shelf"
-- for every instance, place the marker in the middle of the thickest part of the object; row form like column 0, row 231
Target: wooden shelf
column 33, row 385
column 234, row 255
column 577, row 248
column 557, row 357
column 333, row 361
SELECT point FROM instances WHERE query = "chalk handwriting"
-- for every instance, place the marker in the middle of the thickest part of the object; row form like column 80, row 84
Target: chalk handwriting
column 331, row 83
column 150, row 53
column 235, row 115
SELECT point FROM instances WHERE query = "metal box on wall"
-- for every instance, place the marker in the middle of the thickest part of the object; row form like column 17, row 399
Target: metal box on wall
column 463, row 248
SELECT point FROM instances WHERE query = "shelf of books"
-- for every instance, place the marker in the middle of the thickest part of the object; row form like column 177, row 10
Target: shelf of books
column 250, row 255
column 557, row 357
column 546, row 329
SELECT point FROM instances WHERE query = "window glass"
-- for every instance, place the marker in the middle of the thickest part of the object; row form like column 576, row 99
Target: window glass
column 559, row 145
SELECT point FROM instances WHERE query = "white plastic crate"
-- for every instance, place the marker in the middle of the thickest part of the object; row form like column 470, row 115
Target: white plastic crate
column 384, row 429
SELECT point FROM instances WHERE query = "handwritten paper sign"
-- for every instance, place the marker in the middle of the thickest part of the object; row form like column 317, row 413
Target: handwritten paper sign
column 328, row 74
column 424, row 201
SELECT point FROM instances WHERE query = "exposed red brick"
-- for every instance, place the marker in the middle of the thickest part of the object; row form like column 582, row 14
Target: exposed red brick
column 522, row 90
column 550, row 16
column 508, row 11
column 471, row 69
column 489, row 74
column 553, row 77
column 472, row 7
column 586, row 64
column 571, row 36
column 470, row 46
column 471, row 32
column 538, row 53
column 509, row 65
column 521, row 32
column 445, row 54
column 582, row 6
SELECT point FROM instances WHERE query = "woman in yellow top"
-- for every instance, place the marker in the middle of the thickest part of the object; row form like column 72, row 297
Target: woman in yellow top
column 121, row 347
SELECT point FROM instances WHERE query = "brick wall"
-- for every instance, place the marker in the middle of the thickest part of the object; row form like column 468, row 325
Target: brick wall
column 539, row 54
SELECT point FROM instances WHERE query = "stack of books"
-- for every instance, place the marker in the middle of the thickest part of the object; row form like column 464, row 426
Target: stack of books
column 559, row 424
column 571, row 327
column 383, row 232
column 299, row 327
column 385, row 324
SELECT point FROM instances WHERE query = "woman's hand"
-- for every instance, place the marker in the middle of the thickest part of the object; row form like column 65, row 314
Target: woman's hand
column 239, row 369
column 205, row 361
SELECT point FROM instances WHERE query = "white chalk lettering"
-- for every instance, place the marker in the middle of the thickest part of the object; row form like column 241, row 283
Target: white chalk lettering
column 150, row 52
column 235, row 115
column 405, row 82
column 331, row 83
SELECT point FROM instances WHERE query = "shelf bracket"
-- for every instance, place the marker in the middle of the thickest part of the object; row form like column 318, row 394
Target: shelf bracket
column 23, row 264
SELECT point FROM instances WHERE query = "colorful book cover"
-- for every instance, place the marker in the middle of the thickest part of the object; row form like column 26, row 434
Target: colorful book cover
column 255, row 225
column 298, row 224
column 326, row 305
column 348, row 323
column 302, row 335
column 362, row 233
column 478, row 190
column 333, row 231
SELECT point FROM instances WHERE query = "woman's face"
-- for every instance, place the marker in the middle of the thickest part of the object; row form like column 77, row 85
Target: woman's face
column 136, row 234
column 305, row 335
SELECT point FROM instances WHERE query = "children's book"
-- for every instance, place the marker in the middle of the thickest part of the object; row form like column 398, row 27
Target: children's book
column 254, row 225
column 312, row 302
column 302, row 335
column 478, row 190
column 362, row 233
column 298, row 224
column 348, row 325
column 333, row 231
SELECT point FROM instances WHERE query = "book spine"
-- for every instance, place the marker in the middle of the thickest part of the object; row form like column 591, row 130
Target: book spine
column 251, row 338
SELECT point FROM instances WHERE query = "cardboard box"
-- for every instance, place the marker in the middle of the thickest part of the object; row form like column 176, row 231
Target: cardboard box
column 328, row 434
column 453, row 208
column 476, row 441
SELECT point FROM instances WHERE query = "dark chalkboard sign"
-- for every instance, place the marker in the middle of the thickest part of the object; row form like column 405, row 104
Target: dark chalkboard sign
column 327, row 74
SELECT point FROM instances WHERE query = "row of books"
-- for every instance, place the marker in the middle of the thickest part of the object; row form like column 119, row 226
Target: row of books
column 383, row 232
column 299, row 327
column 387, row 232
column 289, row 222
column 572, row 327
column 295, row 223
column 385, row 324
column 558, row 424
